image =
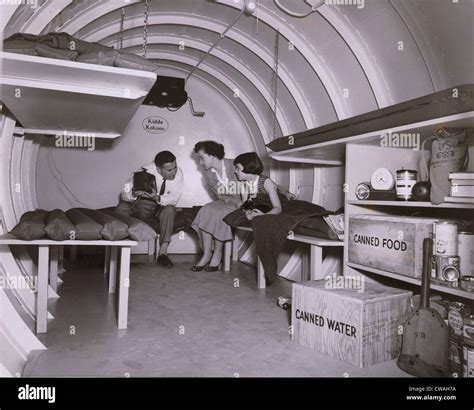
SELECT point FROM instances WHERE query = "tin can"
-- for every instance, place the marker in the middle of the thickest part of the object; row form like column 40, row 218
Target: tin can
column 468, row 330
column 455, row 353
column 406, row 178
column 468, row 360
column 467, row 283
column 466, row 253
column 447, row 268
column 457, row 311
column 445, row 239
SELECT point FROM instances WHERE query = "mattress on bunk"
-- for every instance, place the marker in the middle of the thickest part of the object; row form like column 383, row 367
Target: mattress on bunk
column 58, row 46
column 454, row 100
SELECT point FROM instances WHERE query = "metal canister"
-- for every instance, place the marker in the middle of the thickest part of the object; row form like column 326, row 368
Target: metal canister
column 457, row 311
column 455, row 354
column 468, row 329
column 468, row 360
column 406, row 178
column 445, row 238
column 468, row 346
column 467, row 283
column 466, row 253
column 447, row 268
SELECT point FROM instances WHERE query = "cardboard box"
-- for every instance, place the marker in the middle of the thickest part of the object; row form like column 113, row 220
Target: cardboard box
column 392, row 244
column 358, row 327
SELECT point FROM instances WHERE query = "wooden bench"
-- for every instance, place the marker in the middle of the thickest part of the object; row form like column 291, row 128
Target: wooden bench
column 315, row 255
column 50, row 252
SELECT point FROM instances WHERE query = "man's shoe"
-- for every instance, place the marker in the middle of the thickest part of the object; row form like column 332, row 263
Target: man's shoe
column 164, row 261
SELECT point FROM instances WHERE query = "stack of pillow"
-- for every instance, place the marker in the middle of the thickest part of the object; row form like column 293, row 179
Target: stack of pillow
column 81, row 224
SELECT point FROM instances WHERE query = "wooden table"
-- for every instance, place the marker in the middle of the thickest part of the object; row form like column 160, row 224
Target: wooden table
column 48, row 256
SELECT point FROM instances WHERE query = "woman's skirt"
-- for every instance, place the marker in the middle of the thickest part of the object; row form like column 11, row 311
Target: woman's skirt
column 210, row 219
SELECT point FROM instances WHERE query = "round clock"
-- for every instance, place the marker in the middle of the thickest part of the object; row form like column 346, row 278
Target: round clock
column 382, row 179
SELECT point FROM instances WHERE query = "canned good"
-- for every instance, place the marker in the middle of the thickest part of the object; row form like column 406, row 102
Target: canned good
column 468, row 329
column 445, row 238
column 447, row 268
column 455, row 353
column 457, row 311
column 406, row 178
column 468, row 360
column 467, row 283
column 466, row 253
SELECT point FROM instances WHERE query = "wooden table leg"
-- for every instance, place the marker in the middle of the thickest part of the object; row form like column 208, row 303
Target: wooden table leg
column 261, row 283
column 42, row 289
column 107, row 260
column 316, row 262
column 157, row 247
column 124, row 284
column 235, row 249
column 151, row 250
column 227, row 255
column 53, row 267
column 60, row 259
column 113, row 268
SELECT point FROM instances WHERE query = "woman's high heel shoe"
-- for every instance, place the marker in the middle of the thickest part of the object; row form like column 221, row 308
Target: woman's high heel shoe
column 198, row 268
column 213, row 268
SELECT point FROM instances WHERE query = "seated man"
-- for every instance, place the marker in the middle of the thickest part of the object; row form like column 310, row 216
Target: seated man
column 159, row 205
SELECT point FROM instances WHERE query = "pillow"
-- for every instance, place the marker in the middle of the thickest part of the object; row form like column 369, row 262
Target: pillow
column 316, row 227
column 44, row 50
column 23, row 36
column 138, row 230
column 98, row 57
column 59, row 227
column 20, row 47
column 31, row 225
column 112, row 228
column 57, row 40
column 86, row 227
column 134, row 62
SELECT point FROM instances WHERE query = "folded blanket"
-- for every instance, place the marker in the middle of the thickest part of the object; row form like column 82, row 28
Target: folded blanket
column 271, row 231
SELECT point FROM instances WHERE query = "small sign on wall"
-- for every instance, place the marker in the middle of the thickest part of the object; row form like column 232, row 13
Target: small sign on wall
column 155, row 125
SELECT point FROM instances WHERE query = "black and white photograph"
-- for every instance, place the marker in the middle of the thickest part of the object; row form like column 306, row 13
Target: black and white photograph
column 274, row 196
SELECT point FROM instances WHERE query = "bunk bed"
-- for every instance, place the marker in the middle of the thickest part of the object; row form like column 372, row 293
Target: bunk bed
column 49, row 96
column 325, row 145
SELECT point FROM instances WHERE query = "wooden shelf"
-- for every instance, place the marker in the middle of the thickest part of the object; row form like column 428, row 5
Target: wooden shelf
column 302, row 160
column 410, row 204
column 60, row 96
column 335, row 150
column 414, row 281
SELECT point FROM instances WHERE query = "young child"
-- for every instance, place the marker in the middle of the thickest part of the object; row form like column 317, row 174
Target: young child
column 259, row 193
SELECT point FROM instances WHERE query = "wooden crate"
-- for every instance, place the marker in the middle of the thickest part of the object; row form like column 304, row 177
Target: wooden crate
column 360, row 328
column 393, row 244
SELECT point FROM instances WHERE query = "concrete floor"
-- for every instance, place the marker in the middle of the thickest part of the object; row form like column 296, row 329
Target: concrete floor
column 181, row 323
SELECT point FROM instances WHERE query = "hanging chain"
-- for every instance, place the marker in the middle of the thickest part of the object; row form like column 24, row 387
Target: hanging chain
column 122, row 18
column 275, row 80
column 145, row 29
